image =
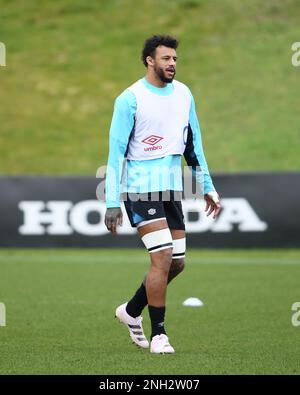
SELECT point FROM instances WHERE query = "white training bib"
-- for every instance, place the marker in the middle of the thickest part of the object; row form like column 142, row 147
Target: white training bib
column 161, row 122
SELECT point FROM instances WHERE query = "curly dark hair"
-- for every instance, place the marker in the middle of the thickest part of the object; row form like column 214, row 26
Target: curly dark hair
column 153, row 42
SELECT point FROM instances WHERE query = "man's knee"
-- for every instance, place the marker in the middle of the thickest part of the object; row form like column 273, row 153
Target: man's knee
column 162, row 258
column 177, row 266
column 160, row 261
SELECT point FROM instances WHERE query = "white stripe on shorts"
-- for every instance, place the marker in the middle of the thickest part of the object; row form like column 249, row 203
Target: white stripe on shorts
column 142, row 223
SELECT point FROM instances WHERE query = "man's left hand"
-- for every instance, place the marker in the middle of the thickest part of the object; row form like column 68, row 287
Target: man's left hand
column 213, row 204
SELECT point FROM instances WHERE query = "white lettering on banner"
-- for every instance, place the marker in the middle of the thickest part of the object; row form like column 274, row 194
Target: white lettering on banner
column 65, row 218
column 35, row 218
column 203, row 223
column 58, row 214
column 234, row 211
column 79, row 218
column 238, row 211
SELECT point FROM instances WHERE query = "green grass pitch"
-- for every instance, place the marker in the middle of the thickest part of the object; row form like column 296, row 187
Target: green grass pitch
column 60, row 313
column 234, row 55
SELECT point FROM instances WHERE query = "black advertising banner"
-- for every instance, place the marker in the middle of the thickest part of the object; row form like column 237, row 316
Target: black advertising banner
column 259, row 210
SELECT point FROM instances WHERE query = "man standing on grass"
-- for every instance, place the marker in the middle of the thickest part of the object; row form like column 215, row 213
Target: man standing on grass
column 153, row 125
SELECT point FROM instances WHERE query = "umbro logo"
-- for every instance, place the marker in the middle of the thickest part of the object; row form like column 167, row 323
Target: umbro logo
column 152, row 140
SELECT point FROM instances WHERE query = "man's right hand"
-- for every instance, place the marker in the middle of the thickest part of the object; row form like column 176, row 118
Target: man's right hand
column 113, row 217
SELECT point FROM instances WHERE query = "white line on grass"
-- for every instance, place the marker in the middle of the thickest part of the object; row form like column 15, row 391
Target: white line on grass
column 110, row 259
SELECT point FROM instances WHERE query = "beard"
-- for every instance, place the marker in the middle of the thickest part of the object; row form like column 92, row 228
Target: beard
column 161, row 75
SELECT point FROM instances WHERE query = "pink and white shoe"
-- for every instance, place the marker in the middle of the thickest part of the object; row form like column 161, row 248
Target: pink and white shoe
column 160, row 345
column 134, row 326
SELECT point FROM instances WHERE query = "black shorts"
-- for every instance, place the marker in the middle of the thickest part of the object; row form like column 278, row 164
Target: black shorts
column 145, row 207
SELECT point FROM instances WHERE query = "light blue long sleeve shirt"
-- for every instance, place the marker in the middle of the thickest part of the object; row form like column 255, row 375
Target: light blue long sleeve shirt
column 141, row 176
